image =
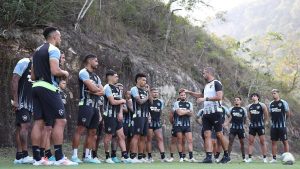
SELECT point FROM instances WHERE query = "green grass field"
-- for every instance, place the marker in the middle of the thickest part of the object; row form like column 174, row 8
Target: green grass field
column 7, row 163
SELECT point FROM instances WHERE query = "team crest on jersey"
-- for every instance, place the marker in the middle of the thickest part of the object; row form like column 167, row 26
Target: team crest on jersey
column 279, row 104
column 83, row 120
column 158, row 104
column 257, row 107
column 187, row 105
column 24, row 117
column 109, row 129
column 61, row 112
column 138, row 129
column 241, row 110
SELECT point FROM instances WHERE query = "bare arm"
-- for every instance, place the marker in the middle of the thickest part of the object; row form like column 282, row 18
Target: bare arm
column 129, row 105
column 182, row 112
column 194, row 94
column 92, row 87
column 32, row 75
column 171, row 117
column 112, row 101
column 266, row 115
column 14, row 89
column 141, row 101
column 55, row 69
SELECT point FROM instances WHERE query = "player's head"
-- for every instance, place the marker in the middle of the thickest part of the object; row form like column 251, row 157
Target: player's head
column 237, row 101
column 91, row 60
column 155, row 93
column 255, row 97
column 112, row 76
column 62, row 58
column 275, row 94
column 182, row 95
column 208, row 73
column 51, row 34
column 141, row 79
column 62, row 84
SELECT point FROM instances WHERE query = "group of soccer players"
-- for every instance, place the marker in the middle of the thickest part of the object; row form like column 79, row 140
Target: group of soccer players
column 129, row 119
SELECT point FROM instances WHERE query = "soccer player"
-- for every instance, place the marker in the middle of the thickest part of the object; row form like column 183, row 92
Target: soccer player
column 48, row 107
column 212, row 96
column 88, row 115
column 258, row 116
column 155, row 126
column 21, row 85
column 141, row 101
column 279, row 112
column 183, row 110
column 113, row 116
column 238, row 117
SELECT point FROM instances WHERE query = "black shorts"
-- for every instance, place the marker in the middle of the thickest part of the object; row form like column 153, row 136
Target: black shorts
column 213, row 120
column 259, row 131
column 112, row 125
column 23, row 116
column 173, row 133
column 128, row 129
column 155, row 125
column 239, row 132
column 213, row 134
column 88, row 116
column 279, row 134
column 140, row 126
column 47, row 105
column 182, row 129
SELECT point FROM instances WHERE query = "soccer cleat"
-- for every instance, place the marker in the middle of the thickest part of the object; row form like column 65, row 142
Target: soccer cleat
column 186, row 159
column 217, row 160
column 164, row 160
column 65, row 162
column 207, row 160
column 27, row 160
column 265, row 160
column 144, row 160
column 244, row 160
column 249, row 160
column 116, row 160
column 126, row 161
column 135, row 160
column 150, row 160
column 109, row 161
column 181, row 160
column 192, row 160
column 52, row 158
column 225, row 159
column 75, row 159
column 169, row 160
column 273, row 161
column 91, row 160
column 18, row 161
column 43, row 161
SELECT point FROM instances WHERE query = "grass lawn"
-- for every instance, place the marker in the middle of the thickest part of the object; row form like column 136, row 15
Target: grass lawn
column 7, row 163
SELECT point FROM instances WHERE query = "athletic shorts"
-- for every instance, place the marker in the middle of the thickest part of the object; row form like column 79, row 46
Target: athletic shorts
column 173, row 133
column 278, row 134
column 239, row 132
column 213, row 120
column 23, row 116
column 112, row 125
column 47, row 105
column 155, row 125
column 128, row 129
column 213, row 134
column 88, row 116
column 259, row 131
column 140, row 126
column 182, row 129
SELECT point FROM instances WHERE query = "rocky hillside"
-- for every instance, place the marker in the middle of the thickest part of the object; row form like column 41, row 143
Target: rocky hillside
column 127, row 36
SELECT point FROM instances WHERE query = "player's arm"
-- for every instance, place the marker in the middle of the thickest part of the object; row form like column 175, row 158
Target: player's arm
column 111, row 99
column 14, row 89
column 32, row 75
column 54, row 56
column 266, row 114
column 194, row 94
column 120, row 114
column 135, row 93
column 171, row 117
column 129, row 105
column 287, row 109
column 182, row 112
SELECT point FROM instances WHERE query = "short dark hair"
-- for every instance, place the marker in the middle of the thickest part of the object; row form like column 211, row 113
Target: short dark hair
column 238, row 97
column 255, row 94
column 139, row 75
column 153, row 89
column 211, row 70
column 87, row 57
column 48, row 30
column 110, row 72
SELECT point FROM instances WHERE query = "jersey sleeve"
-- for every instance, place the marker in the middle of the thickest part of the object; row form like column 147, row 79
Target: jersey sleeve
column 263, row 105
column 245, row 111
column 227, row 112
column 54, row 52
column 21, row 66
column 134, row 92
column 84, row 75
column 162, row 104
column 200, row 113
column 175, row 106
column 218, row 86
column 286, row 106
column 107, row 91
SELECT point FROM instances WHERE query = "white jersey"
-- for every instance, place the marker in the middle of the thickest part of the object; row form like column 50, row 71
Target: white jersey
column 211, row 90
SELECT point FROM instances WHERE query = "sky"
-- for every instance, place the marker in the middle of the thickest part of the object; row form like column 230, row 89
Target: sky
column 200, row 14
